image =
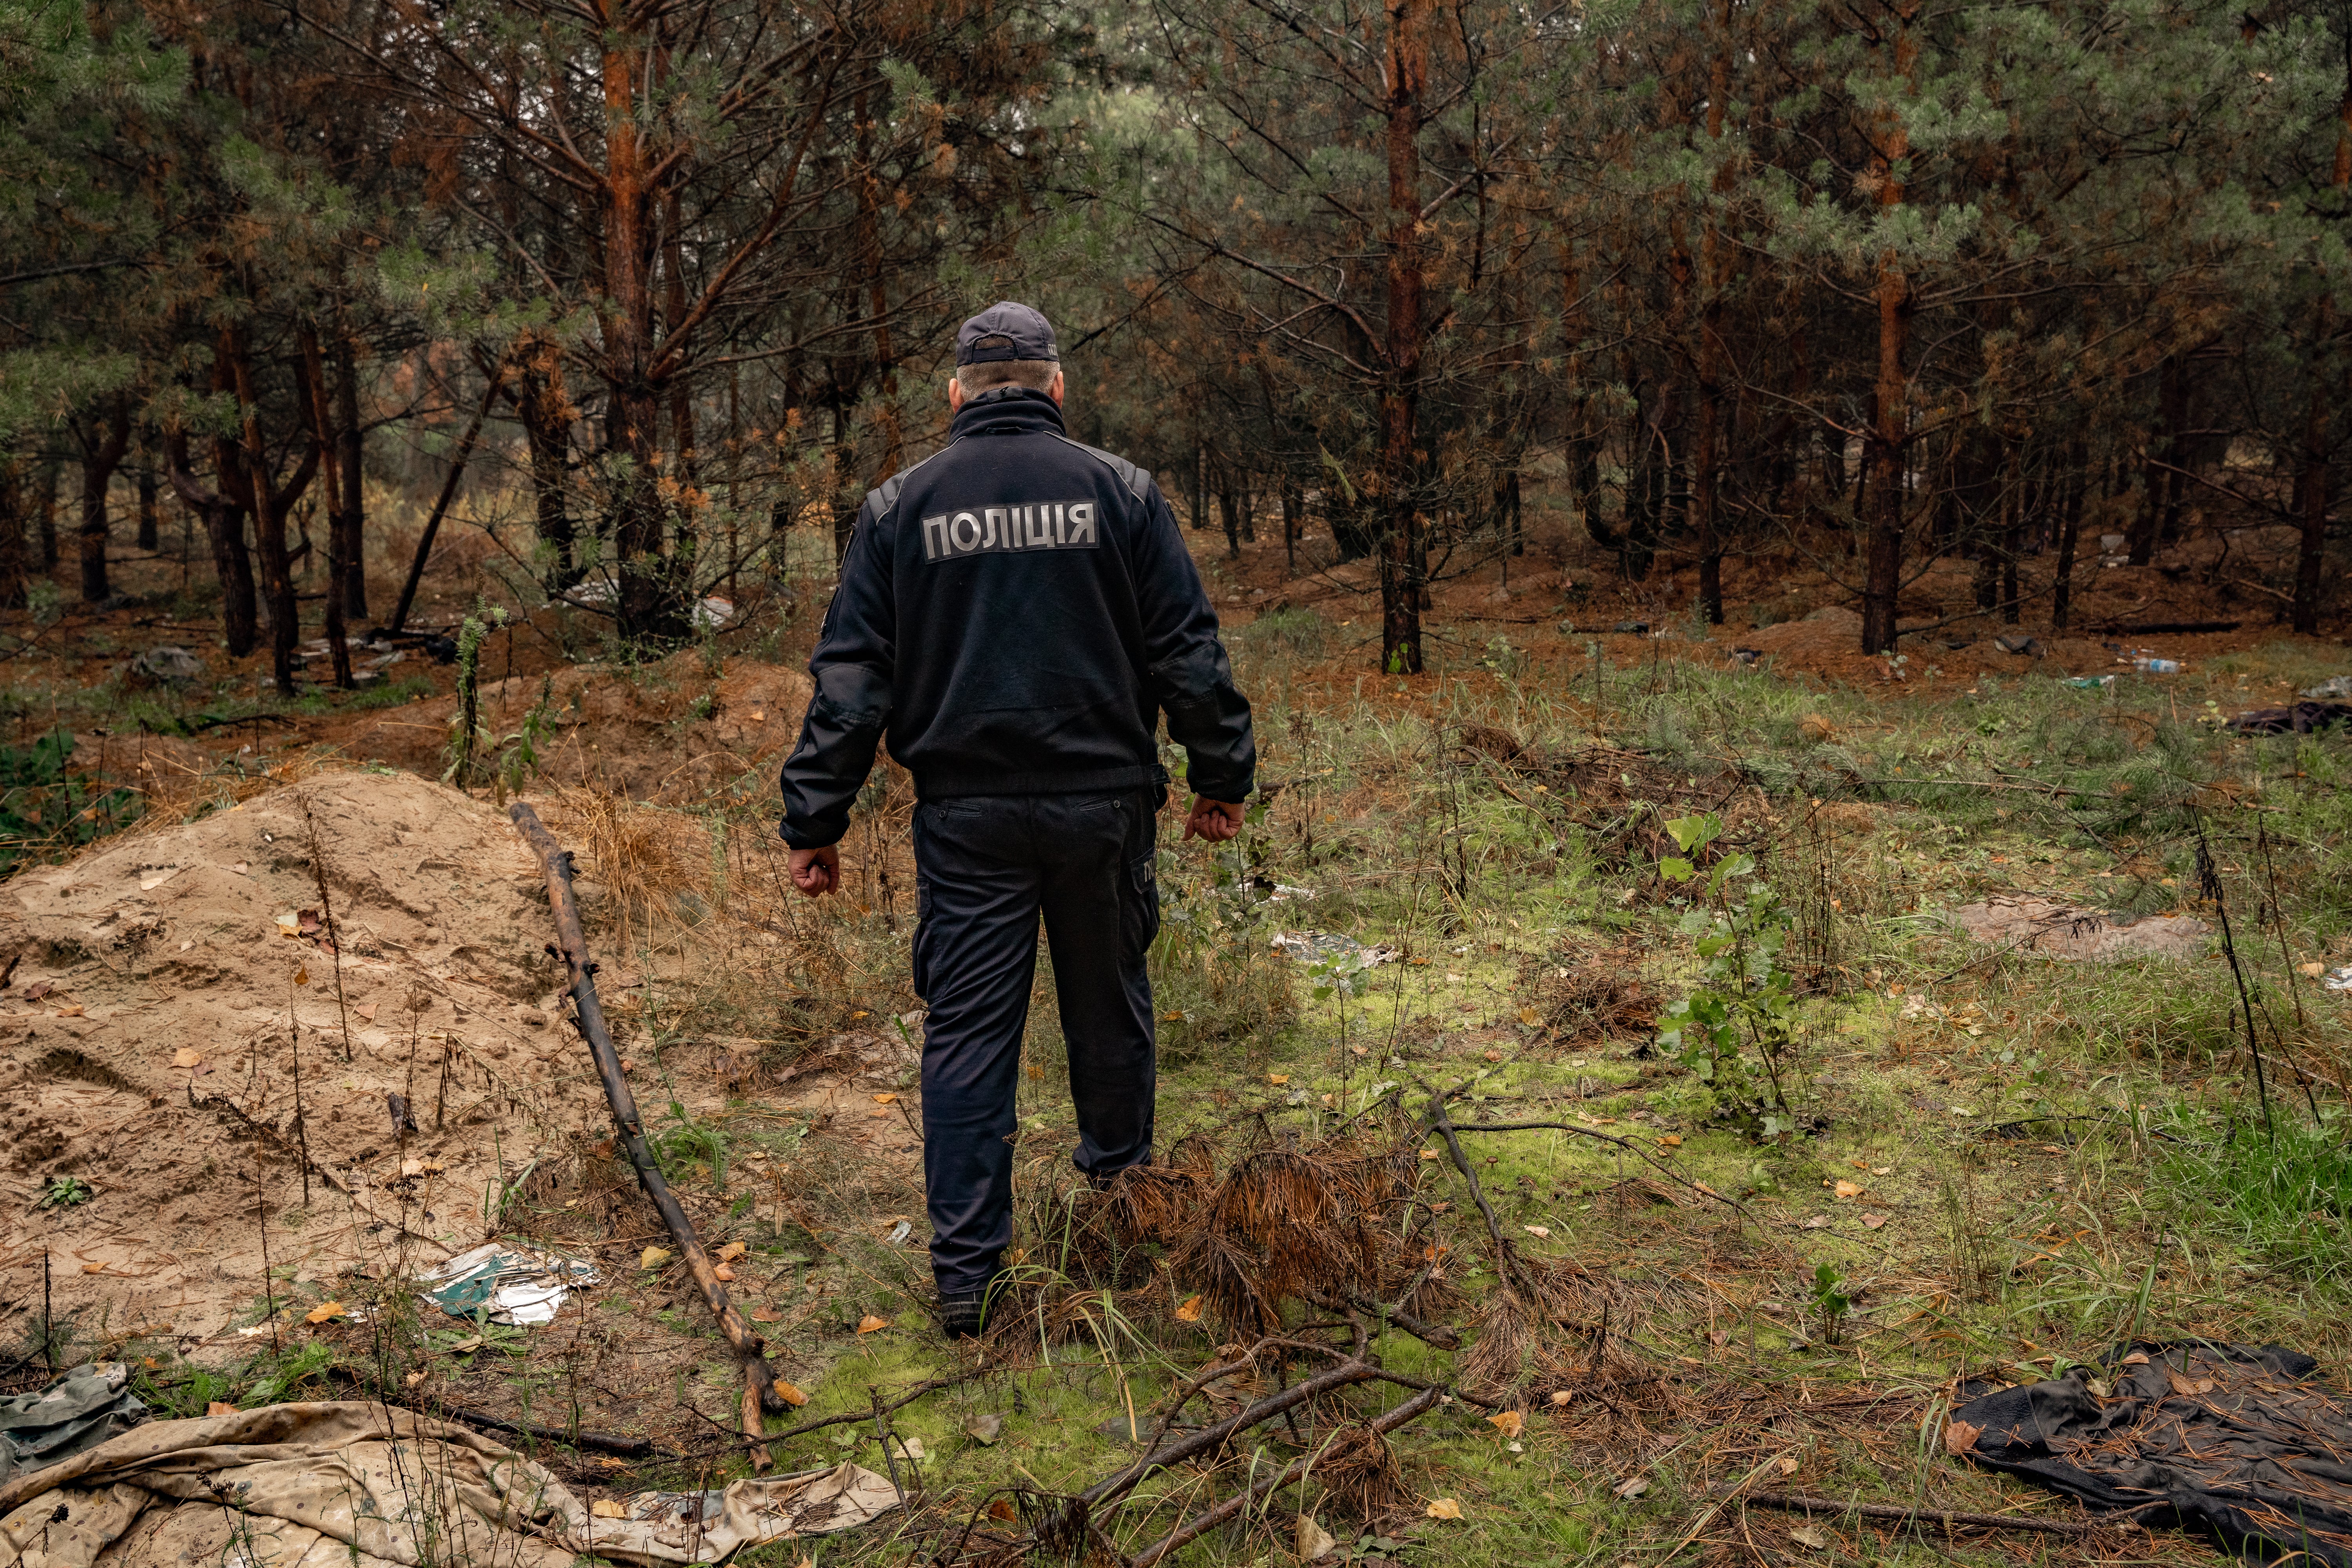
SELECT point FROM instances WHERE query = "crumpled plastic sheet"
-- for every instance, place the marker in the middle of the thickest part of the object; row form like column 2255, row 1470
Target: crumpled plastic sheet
column 79, row 1410
column 355, row 1484
column 2246, row 1444
column 1326, row 946
column 520, row 1286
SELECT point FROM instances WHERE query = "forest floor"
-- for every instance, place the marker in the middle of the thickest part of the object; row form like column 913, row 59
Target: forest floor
column 1980, row 1162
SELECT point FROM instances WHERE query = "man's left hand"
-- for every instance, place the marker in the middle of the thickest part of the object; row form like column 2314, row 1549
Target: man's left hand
column 1214, row 820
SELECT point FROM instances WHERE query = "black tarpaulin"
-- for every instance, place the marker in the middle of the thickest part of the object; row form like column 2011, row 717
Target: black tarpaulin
column 2246, row 1444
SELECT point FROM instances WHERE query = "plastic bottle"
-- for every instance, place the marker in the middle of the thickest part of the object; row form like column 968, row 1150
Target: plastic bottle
column 2158, row 666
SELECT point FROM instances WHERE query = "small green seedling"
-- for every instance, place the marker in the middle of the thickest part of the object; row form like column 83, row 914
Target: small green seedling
column 1831, row 1301
column 63, row 1193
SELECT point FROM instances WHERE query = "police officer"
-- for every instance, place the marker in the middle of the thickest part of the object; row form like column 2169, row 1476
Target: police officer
column 1015, row 613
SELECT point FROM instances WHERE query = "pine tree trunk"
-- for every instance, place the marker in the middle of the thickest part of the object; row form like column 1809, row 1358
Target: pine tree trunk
column 351, row 455
column 103, row 443
column 1889, row 442
column 12, row 539
column 150, row 538
column 2070, row 531
column 1403, row 566
column 322, row 432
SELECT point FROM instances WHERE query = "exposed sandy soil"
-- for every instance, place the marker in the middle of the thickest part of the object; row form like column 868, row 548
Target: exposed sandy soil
column 169, row 947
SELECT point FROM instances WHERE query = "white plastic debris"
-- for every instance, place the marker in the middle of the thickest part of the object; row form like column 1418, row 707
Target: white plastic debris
column 1324, row 946
column 519, row 1287
column 2339, row 979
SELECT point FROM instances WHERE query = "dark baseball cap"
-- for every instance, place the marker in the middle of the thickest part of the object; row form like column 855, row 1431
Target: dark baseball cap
column 1005, row 331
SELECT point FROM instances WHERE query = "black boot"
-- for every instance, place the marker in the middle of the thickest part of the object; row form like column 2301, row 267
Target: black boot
column 963, row 1317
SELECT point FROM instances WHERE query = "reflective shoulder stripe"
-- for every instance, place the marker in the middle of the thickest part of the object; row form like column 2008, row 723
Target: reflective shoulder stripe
column 1133, row 477
column 884, row 496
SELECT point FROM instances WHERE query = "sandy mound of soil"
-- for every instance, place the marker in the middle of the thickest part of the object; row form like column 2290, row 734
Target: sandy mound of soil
column 2054, row 929
column 168, row 984
column 668, row 730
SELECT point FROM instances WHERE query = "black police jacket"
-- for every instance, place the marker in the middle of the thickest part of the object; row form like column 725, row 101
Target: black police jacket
column 1015, row 611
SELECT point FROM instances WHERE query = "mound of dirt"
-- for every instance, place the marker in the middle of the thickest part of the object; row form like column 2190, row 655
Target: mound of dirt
column 2054, row 929
column 168, row 984
column 669, row 731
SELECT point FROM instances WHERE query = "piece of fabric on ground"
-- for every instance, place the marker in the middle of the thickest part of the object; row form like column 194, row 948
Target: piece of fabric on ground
column 2243, row 1442
column 79, row 1411
column 353, row 1485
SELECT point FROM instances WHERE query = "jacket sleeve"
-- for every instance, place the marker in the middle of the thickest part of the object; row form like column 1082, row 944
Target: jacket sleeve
column 1207, row 714
column 855, row 662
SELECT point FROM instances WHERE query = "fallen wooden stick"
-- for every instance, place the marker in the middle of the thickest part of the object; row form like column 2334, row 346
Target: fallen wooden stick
column 1797, row 1502
column 1209, row 1519
column 571, row 946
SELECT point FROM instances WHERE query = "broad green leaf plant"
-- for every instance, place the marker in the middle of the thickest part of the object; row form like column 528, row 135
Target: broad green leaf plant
column 1735, row 1026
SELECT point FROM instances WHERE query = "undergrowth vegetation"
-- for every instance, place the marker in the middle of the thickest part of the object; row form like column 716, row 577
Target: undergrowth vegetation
column 1597, row 1040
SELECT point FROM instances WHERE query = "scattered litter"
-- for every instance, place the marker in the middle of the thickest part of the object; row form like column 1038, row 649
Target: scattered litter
column 1285, row 893
column 2088, row 682
column 1747, row 655
column 985, row 1428
column 2242, row 1442
column 2019, row 643
column 2035, row 924
column 2338, row 979
column 712, row 614
column 2300, row 719
column 2156, row 666
column 2335, row 688
column 1324, row 946
column 900, row 1233
column 81, row 1410
column 382, row 1485
column 519, row 1287
column 168, row 663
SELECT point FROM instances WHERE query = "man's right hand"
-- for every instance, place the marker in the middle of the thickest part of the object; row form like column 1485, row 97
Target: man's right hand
column 816, row 872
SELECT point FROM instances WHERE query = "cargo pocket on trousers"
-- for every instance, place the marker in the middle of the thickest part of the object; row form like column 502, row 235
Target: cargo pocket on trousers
column 919, row 951
column 1143, row 901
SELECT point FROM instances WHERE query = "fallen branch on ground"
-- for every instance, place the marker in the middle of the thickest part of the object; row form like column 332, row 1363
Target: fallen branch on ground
column 759, row 1381
column 1797, row 1502
column 1209, row 1519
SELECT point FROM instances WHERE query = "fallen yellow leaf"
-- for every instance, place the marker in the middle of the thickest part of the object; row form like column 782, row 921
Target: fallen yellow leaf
column 722, row 1273
column 884, row 1098
column 187, row 1057
column 653, row 1258
column 1003, row 1511
column 1528, row 1016
column 1509, row 1423
column 731, row 1251
column 1873, row 1221
column 788, row 1395
column 1429, row 1153
column 1539, row 1231
column 70, row 1010
column 869, row 1324
column 1190, row 1312
column 1278, row 1078
column 217, row 1408
column 1443, row 1508
column 605, row 1507
column 1671, row 1141
column 1849, row 1189
column 288, row 926
column 762, row 1315
column 1959, row 1436
column 1562, row 1397
column 325, row 1311
column 302, row 975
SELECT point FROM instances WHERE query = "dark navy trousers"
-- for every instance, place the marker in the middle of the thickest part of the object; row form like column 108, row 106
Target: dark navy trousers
column 986, row 867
